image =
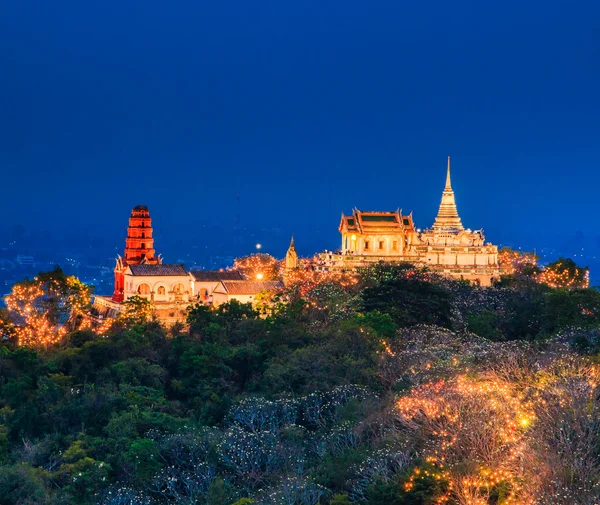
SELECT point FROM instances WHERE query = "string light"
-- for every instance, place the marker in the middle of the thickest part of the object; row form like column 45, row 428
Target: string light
column 33, row 326
column 261, row 264
column 511, row 261
column 565, row 274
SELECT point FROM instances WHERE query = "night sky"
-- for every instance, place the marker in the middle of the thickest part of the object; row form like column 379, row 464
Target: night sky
column 305, row 109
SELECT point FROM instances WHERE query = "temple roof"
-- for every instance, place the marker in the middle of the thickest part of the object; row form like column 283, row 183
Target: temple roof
column 216, row 275
column 447, row 217
column 365, row 222
column 160, row 269
column 249, row 287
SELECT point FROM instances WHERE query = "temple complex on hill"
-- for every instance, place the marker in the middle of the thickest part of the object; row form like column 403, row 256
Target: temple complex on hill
column 367, row 238
column 447, row 247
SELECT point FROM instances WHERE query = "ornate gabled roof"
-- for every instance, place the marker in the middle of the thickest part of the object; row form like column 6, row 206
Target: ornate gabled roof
column 249, row 287
column 216, row 275
column 408, row 222
column 447, row 217
column 375, row 222
column 156, row 270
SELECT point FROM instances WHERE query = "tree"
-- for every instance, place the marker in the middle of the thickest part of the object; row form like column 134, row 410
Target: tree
column 258, row 266
column 136, row 310
column 7, row 327
column 409, row 301
column 514, row 262
column 42, row 310
column 142, row 460
column 565, row 273
column 571, row 308
column 476, row 431
column 23, row 485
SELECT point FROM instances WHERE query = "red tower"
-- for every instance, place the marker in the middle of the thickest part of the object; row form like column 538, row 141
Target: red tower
column 139, row 248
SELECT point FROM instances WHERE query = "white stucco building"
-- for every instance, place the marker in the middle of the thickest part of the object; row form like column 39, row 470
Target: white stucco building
column 159, row 283
column 242, row 291
column 204, row 282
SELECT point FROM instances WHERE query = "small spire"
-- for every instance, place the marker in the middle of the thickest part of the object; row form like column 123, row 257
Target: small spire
column 291, row 257
column 448, row 185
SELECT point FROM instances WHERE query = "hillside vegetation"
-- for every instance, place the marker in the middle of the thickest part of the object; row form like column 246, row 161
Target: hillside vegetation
column 400, row 388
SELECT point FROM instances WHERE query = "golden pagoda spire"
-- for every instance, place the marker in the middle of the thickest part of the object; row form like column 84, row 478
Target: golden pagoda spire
column 447, row 218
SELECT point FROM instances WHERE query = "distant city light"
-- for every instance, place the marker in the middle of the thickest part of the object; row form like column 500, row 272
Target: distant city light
column 258, row 246
column 259, row 276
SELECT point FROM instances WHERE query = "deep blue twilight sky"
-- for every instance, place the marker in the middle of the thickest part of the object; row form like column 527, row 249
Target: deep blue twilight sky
column 305, row 109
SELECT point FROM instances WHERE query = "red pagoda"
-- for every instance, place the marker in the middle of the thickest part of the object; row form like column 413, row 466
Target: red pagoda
column 139, row 248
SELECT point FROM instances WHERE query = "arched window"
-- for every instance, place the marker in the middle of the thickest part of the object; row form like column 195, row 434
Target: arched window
column 161, row 290
column 178, row 289
column 143, row 246
column 143, row 234
column 143, row 289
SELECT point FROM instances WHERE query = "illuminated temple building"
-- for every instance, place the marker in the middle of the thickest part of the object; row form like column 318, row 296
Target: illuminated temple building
column 447, row 247
column 139, row 249
column 367, row 237
column 170, row 287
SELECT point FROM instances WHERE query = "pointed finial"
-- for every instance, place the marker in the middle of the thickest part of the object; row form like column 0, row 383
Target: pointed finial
column 448, row 185
column 292, row 242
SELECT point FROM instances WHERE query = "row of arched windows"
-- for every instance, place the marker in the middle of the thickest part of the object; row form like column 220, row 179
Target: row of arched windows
column 144, row 289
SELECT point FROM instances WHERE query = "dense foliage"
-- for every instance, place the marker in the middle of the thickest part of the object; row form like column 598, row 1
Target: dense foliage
column 403, row 388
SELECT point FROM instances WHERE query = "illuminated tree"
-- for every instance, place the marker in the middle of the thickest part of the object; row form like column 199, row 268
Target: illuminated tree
column 516, row 262
column 565, row 273
column 42, row 310
column 258, row 267
column 475, row 437
column 328, row 293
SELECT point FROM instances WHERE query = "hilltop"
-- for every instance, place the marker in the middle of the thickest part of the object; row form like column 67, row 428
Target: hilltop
column 401, row 387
